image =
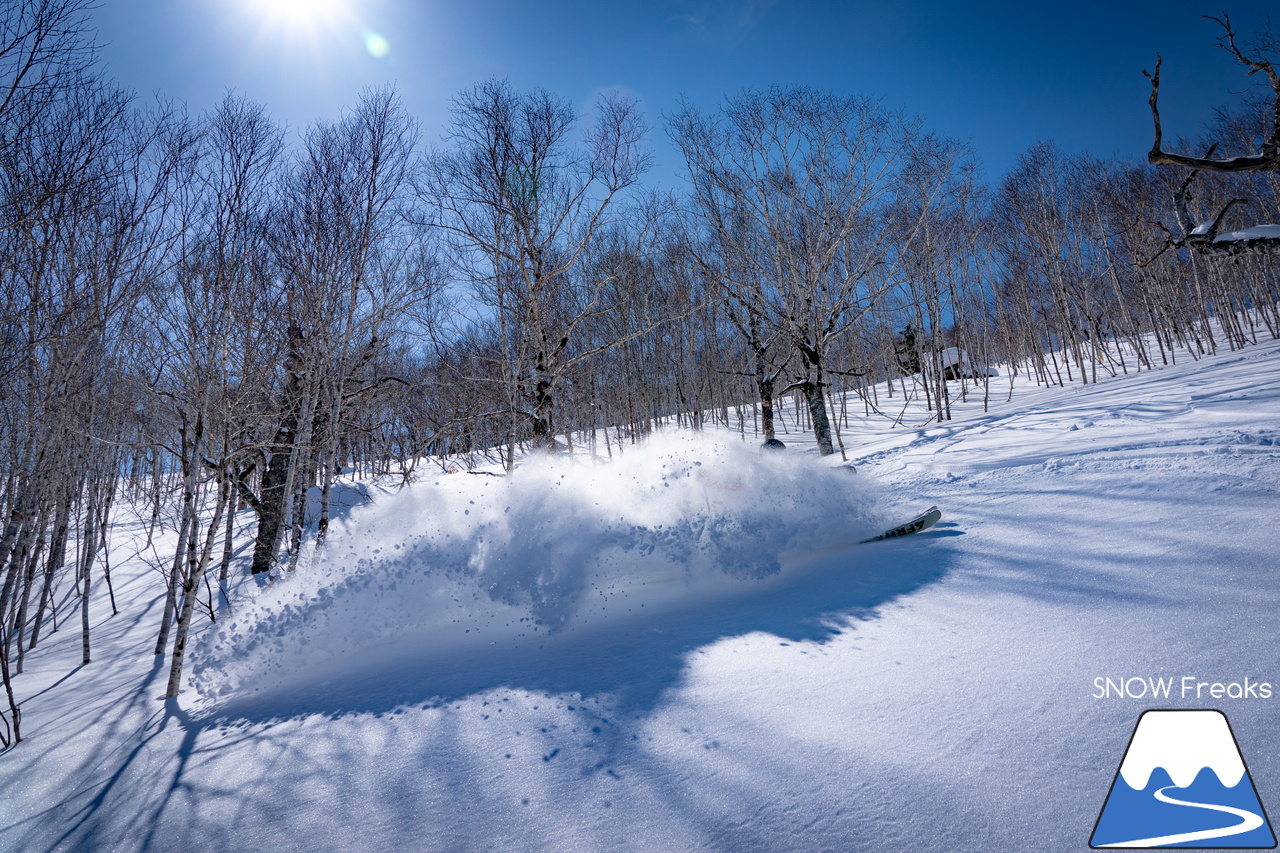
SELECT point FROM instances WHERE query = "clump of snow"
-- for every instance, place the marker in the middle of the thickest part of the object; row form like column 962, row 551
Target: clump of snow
column 956, row 363
column 1257, row 232
column 457, row 560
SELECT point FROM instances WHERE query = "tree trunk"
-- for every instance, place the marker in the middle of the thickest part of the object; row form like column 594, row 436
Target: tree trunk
column 228, row 549
column 817, row 405
column 28, row 581
column 544, row 437
column 764, row 384
column 194, row 576
column 171, row 596
column 275, row 479
column 90, row 552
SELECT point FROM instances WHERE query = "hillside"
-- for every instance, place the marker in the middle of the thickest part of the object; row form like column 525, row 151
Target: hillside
column 678, row 649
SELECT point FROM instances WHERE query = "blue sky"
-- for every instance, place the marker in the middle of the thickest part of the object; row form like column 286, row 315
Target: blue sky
column 1000, row 74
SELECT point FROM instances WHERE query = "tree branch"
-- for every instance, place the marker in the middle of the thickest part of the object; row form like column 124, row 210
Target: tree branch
column 1268, row 158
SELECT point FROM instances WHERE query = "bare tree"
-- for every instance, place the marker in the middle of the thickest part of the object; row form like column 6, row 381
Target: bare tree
column 209, row 337
column 46, row 56
column 352, row 271
column 1206, row 237
column 811, row 200
column 91, row 178
column 523, row 199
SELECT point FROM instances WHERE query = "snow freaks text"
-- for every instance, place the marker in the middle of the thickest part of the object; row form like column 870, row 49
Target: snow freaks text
column 1186, row 687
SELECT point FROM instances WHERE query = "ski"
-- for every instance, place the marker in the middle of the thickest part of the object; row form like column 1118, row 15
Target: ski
column 923, row 521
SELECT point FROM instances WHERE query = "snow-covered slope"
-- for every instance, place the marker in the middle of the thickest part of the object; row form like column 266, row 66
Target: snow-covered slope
column 935, row 693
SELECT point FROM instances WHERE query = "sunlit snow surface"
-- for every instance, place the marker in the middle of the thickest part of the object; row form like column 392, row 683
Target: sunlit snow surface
column 774, row 692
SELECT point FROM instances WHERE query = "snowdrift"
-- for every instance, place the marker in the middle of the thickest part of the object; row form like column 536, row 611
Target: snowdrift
column 457, row 562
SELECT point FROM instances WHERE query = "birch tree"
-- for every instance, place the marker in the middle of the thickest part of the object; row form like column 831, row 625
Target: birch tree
column 810, row 200
column 210, row 337
column 352, row 271
column 522, row 193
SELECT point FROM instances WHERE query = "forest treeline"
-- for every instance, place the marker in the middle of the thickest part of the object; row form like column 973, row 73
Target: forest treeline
column 208, row 321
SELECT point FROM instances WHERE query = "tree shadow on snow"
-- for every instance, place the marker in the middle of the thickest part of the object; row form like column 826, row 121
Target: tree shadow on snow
column 632, row 661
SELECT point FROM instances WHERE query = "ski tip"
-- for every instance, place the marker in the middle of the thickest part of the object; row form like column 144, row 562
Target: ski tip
column 923, row 521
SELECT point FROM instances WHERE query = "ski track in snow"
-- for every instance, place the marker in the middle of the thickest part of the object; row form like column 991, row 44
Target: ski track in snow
column 915, row 694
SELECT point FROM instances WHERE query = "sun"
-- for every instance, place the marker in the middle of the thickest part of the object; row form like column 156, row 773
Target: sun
column 315, row 27
column 300, row 14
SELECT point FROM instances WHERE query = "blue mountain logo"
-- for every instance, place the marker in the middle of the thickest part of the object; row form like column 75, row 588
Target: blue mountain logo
column 1183, row 783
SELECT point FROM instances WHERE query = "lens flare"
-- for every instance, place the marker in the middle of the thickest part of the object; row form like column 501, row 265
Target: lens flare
column 322, row 29
column 377, row 46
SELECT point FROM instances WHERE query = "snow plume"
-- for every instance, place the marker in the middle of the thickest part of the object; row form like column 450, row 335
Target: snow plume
column 459, row 561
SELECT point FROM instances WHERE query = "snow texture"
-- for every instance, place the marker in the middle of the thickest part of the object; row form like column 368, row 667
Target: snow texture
column 702, row 664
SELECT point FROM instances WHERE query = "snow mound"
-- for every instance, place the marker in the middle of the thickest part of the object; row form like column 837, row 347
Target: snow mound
column 564, row 541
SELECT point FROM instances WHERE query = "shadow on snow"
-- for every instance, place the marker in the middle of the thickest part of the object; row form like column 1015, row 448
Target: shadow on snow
column 633, row 661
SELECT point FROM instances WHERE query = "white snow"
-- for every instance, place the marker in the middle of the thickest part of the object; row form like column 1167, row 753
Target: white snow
column 1183, row 743
column 956, row 357
column 563, row 545
column 1254, row 233
column 702, row 666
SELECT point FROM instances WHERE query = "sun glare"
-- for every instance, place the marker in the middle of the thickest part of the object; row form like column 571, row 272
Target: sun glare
column 306, row 14
column 319, row 24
